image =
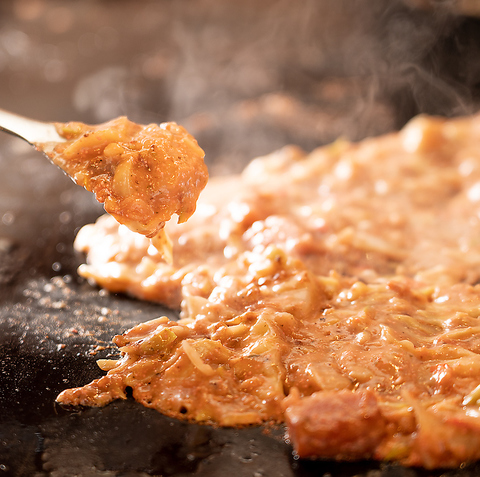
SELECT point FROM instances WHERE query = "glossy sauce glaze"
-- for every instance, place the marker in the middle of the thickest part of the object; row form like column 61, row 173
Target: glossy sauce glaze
column 335, row 291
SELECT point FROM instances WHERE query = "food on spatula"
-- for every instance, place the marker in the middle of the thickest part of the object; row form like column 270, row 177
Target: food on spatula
column 142, row 174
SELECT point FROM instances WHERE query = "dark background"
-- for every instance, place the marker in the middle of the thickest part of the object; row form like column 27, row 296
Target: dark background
column 245, row 78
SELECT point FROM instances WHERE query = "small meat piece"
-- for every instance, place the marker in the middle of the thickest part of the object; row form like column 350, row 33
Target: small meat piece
column 343, row 425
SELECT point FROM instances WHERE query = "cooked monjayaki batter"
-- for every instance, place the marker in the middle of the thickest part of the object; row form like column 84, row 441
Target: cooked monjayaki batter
column 335, row 291
column 142, row 174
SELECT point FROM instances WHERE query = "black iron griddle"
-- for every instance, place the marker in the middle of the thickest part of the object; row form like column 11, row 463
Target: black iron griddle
column 228, row 71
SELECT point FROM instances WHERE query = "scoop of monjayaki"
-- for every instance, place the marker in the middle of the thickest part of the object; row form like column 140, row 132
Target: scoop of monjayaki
column 142, row 174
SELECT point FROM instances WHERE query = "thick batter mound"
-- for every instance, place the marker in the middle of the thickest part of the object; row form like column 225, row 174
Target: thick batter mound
column 334, row 291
